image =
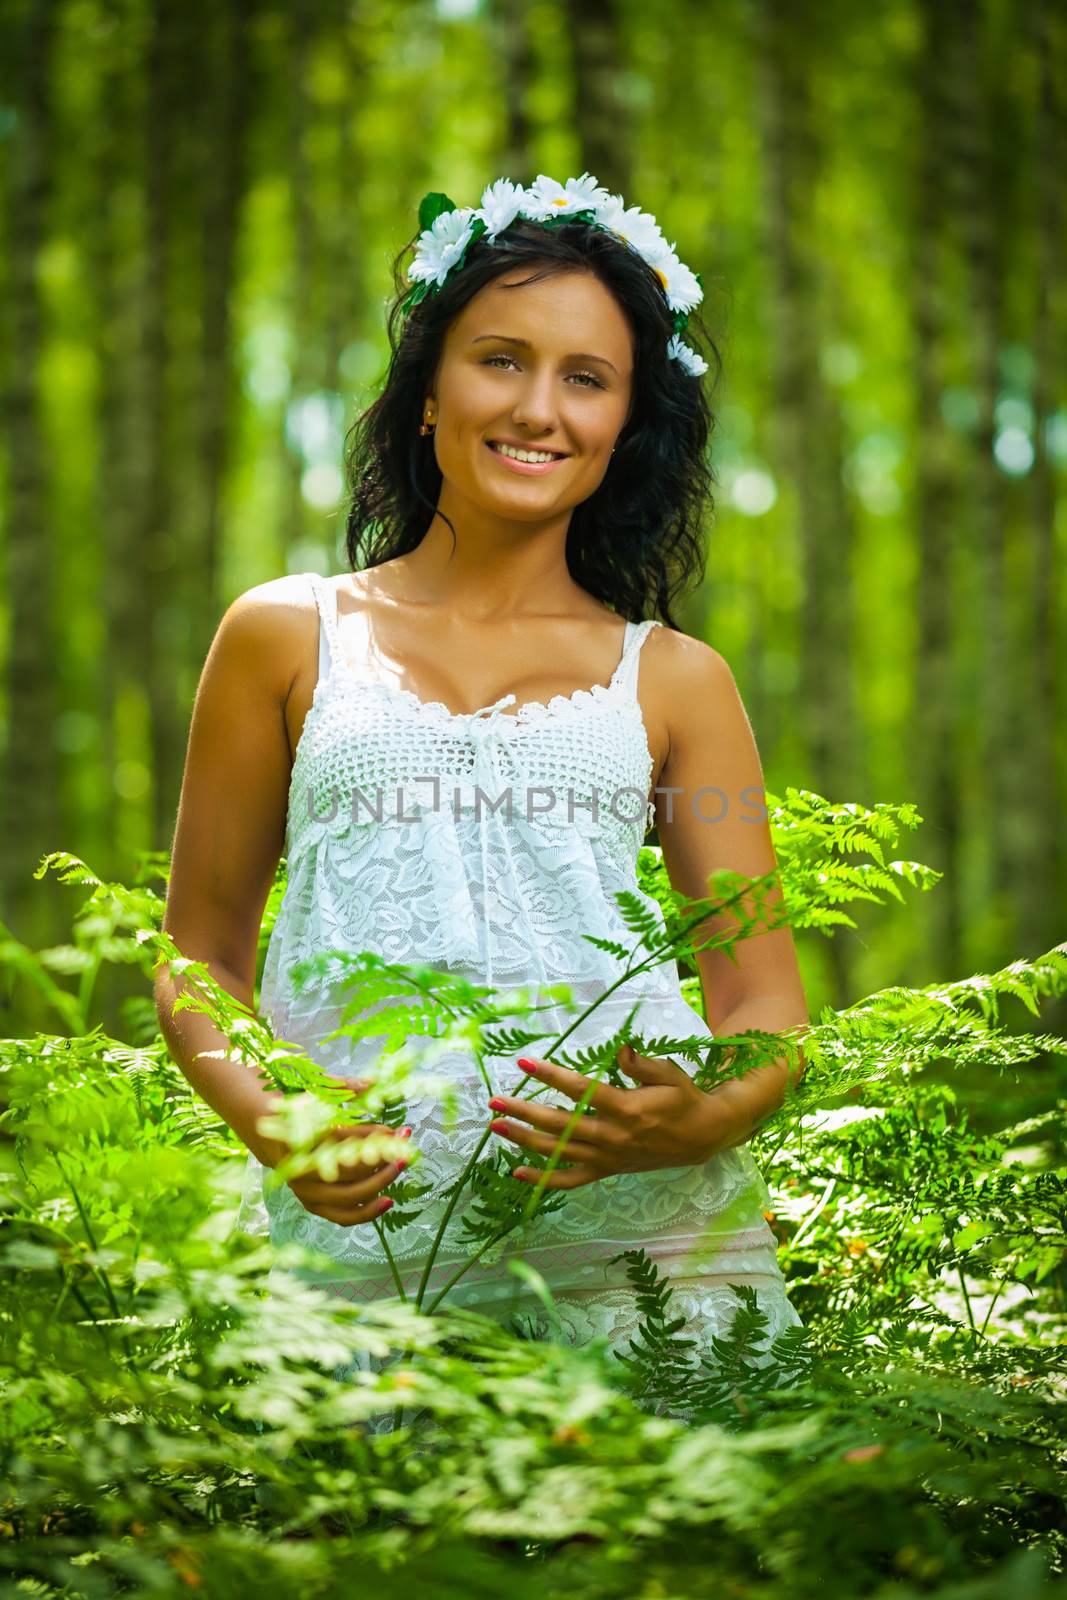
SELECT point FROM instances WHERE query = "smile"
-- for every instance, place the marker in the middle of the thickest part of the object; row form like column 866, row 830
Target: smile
column 522, row 466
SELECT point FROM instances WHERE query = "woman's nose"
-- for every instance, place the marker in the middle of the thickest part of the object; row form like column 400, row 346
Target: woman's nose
column 535, row 407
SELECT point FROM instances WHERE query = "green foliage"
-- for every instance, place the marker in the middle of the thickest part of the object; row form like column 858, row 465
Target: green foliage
column 173, row 1418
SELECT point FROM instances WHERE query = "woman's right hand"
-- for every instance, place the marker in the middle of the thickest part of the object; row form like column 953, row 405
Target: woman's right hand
column 353, row 1195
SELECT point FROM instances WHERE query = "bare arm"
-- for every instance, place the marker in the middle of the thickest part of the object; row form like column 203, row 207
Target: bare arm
column 712, row 748
column 228, row 840
column 229, row 837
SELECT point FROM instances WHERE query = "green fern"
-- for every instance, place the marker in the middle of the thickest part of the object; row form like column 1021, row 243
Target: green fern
column 662, row 1358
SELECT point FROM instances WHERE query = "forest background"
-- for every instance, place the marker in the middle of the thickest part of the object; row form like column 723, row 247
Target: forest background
column 200, row 204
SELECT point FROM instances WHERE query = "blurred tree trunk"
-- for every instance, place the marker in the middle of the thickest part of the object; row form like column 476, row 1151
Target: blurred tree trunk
column 346, row 277
column 113, row 155
column 30, row 816
column 599, row 113
column 1043, row 867
column 981, row 200
column 155, row 554
column 935, row 729
column 306, row 333
column 511, row 48
column 806, row 424
column 233, row 87
column 201, row 168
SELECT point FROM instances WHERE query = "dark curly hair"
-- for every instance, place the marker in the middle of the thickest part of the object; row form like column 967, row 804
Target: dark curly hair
column 635, row 543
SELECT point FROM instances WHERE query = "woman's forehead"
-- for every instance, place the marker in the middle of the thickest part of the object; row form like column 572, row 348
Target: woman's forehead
column 512, row 306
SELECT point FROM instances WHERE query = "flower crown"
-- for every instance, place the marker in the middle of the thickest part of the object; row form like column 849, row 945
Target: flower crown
column 447, row 230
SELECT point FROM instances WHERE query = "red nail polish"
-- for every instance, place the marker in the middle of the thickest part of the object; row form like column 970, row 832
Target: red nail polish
column 405, row 1133
column 401, row 1165
column 499, row 1127
column 525, row 1061
column 384, row 1206
column 497, row 1105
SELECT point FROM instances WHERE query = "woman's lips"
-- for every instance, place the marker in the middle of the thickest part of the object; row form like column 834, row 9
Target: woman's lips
column 534, row 467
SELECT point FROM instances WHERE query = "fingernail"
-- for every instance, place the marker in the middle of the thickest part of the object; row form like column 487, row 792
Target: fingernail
column 384, row 1206
column 499, row 1127
column 497, row 1105
column 401, row 1165
column 405, row 1133
column 530, row 1066
column 519, row 1175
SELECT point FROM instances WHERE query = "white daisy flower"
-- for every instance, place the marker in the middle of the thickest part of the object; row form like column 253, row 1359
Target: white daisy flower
column 439, row 248
column 632, row 224
column 609, row 211
column 691, row 360
column 547, row 198
column 681, row 287
column 501, row 204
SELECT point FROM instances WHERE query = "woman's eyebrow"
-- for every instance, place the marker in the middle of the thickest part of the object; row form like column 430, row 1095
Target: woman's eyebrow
column 576, row 355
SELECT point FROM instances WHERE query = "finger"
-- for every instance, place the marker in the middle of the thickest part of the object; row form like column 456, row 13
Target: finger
column 546, row 1144
column 648, row 1069
column 349, row 1088
column 550, row 1119
column 573, row 1084
column 590, row 1135
column 567, row 1178
column 359, row 1130
column 358, row 1164
column 347, row 1218
column 346, row 1192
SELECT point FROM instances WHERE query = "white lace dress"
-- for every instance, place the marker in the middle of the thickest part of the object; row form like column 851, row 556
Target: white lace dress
column 464, row 889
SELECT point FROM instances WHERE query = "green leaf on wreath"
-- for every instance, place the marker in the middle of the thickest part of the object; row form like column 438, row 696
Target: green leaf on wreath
column 432, row 206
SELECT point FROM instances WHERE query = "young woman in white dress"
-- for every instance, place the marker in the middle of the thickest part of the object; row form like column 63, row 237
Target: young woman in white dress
column 526, row 491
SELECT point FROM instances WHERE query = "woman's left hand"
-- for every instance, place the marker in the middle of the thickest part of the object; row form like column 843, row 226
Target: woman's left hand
column 666, row 1122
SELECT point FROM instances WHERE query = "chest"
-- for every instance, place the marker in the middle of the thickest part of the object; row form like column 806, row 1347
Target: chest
column 384, row 721
column 590, row 748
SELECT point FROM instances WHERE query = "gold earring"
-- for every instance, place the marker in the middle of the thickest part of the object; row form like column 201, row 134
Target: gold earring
column 428, row 426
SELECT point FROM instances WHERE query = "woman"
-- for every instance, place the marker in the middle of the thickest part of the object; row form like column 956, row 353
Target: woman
column 531, row 476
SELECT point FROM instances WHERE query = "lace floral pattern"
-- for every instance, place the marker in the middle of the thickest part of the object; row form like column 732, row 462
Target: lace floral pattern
column 461, row 887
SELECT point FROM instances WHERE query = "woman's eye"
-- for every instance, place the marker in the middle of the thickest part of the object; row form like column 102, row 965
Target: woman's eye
column 593, row 379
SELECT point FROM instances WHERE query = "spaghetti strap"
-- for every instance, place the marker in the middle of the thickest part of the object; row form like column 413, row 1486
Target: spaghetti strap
column 625, row 675
column 329, row 637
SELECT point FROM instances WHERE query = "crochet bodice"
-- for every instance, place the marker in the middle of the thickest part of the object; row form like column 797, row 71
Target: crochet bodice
column 381, row 775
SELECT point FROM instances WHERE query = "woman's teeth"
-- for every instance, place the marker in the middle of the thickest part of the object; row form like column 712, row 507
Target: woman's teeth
column 523, row 455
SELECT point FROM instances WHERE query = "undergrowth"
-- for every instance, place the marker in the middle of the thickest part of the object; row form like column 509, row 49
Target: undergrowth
column 170, row 1421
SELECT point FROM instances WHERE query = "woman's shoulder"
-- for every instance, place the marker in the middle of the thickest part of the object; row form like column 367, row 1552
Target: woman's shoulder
column 684, row 673
column 686, row 658
column 270, row 626
column 291, row 593
column 274, row 607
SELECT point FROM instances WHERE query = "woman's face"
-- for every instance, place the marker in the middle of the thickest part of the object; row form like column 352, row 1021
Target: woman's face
column 548, row 365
